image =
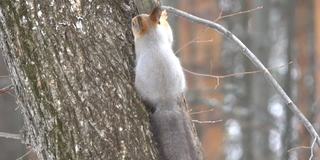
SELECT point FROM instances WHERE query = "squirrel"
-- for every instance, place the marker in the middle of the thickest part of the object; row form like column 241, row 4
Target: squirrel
column 160, row 81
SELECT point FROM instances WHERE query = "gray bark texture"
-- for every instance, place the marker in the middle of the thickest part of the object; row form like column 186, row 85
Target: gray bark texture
column 72, row 67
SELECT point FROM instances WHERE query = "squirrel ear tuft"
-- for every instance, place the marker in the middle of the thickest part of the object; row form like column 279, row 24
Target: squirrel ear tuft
column 156, row 14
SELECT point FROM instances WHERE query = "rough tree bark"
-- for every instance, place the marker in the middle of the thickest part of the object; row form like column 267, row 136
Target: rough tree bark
column 71, row 63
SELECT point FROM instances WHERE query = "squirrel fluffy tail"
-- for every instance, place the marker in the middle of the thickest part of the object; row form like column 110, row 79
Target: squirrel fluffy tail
column 173, row 132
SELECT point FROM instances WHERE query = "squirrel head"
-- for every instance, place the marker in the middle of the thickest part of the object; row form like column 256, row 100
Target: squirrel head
column 143, row 23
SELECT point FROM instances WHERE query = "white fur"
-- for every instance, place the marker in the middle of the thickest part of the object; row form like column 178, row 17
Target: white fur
column 159, row 75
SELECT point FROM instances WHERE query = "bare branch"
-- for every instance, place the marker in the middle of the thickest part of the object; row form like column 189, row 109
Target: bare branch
column 10, row 135
column 254, row 60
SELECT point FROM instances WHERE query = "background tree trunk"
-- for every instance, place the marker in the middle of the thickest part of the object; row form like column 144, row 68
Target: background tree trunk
column 260, row 91
column 71, row 63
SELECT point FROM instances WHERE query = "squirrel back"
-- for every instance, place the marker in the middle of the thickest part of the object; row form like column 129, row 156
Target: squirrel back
column 160, row 82
column 159, row 75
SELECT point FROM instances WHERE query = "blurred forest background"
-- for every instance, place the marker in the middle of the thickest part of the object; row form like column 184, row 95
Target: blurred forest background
column 252, row 121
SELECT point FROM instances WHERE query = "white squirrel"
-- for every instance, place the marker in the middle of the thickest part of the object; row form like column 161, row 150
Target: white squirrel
column 160, row 81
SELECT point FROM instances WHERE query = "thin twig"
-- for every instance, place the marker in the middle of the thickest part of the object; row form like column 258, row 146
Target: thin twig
column 24, row 155
column 233, row 74
column 230, row 75
column 306, row 147
column 221, row 76
column 220, row 17
column 206, row 122
column 312, row 148
column 299, row 147
column 10, row 135
column 190, row 42
column 4, row 76
column 200, row 112
column 254, row 60
column 6, row 89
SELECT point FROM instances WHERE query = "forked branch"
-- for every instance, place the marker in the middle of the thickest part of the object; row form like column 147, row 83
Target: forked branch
column 226, row 33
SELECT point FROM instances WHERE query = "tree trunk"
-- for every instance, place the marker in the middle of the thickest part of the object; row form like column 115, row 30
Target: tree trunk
column 72, row 66
column 260, row 91
column 287, row 136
